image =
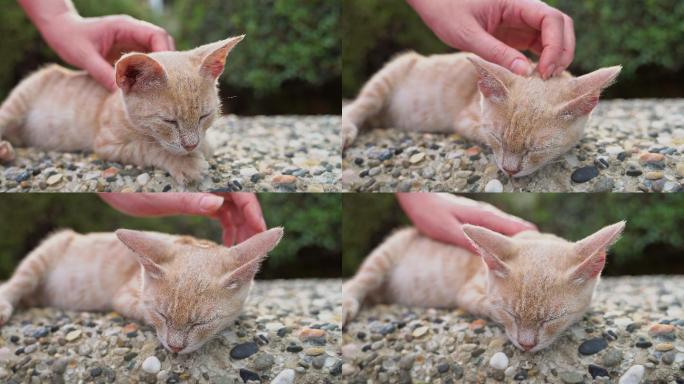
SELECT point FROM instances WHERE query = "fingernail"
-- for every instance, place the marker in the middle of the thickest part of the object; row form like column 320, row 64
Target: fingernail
column 520, row 67
column 550, row 70
column 558, row 71
column 210, row 203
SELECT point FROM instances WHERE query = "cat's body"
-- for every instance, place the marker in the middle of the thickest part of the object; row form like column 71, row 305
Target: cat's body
column 188, row 289
column 534, row 284
column 526, row 121
column 158, row 117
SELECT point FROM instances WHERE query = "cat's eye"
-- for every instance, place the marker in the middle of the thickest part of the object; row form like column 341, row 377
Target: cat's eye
column 171, row 121
column 162, row 315
column 200, row 323
column 205, row 116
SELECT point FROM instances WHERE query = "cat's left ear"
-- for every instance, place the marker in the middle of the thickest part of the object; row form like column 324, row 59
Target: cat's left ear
column 215, row 55
column 591, row 252
column 151, row 249
column 139, row 72
column 494, row 248
column 249, row 254
column 494, row 79
column 589, row 88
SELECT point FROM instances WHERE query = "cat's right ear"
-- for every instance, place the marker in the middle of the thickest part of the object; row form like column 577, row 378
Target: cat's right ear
column 215, row 55
column 150, row 249
column 492, row 246
column 138, row 72
column 493, row 79
column 591, row 252
column 249, row 254
column 589, row 88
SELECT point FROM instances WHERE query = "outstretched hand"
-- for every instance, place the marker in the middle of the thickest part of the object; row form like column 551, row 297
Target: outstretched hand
column 239, row 213
column 441, row 216
column 497, row 30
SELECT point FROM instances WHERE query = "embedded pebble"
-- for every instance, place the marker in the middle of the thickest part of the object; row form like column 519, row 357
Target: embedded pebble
column 287, row 376
column 151, row 365
column 54, row 179
column 420, row 331
column 584, row 174
column 633, row 375
column 499, row 361
column 593, row 346
column 73, row 335
column 493, row 186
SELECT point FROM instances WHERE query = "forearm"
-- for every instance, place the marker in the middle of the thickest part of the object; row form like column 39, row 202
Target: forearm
column 42, row 11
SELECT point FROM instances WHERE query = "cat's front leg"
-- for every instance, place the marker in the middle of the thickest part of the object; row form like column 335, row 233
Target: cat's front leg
column 127, row 303
column 185, row 169
column 6, row 151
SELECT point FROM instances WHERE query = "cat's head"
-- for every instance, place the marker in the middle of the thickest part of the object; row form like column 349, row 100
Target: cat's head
column 193, row 289
column 528, row 121
column 172, row 96
column 538, row 286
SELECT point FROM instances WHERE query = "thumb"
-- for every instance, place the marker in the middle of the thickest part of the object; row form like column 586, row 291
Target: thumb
column 493, row 50
column 101, row 71
column 164, row 204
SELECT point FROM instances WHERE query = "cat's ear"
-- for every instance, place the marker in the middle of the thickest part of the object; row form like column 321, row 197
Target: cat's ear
column 151, row 249
column 138, row 72
column 249, row 254
column 214, row 56
column 591, row 252
column 589, row 88
column 494, row 248
column 493, row 79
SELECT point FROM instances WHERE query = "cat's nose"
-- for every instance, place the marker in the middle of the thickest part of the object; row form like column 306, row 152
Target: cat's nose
column 511, row 170
column 527, row 345
column 189, row 147
column 175, row 348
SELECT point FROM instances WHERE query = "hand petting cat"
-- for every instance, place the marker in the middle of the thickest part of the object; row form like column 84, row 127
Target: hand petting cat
column 95, row 43
column 497, row 30
column 440, row 216
column 239, row 213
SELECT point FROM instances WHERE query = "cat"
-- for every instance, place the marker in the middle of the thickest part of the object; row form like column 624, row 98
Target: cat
column 535, row 285
column 526, row 121
column 188, row 289
column 158, row 117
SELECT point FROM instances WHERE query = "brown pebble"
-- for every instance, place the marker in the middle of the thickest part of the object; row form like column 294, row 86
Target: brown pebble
column 649, row 158
column 109, row 172
column 661, row 329
column 311, row 333
column 283, row 180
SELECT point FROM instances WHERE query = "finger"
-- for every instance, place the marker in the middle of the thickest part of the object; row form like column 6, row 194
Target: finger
column 489, row 48
column 101, row 71
column 492, row 218
column 568, row 45
column 226, row 220
column 172, row 43
column 250, row 210
column 147, row 35
column 164, row 204
column 550, row 22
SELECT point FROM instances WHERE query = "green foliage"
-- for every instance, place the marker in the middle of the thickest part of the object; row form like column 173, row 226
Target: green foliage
column 643, row 36
column 287, row 40
column 653, row 240
column 311, row 222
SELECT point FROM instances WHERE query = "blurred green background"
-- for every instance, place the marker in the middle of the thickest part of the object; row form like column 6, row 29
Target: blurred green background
column 645, row 37
column 310, row 247
column 653, row 241
column 288, row 64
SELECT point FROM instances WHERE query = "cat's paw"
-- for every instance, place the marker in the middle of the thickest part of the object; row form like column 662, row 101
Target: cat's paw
column 6, row 310
column 189, row 169
column 350, row 308
column 6, row 151
column 349, row 133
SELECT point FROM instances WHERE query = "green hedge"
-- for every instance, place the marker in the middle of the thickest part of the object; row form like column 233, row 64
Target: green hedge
column 644, row 36
column 289, row 62
column 312, row 224
column 653, row 241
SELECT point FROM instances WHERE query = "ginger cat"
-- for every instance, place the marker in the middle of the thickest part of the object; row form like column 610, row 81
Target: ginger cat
column 527, row 121
column 535, row 285
column 159, row 116
column 188, row 289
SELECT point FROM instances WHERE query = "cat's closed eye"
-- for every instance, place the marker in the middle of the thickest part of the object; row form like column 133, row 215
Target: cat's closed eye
column 205, row 116
column 170, row 121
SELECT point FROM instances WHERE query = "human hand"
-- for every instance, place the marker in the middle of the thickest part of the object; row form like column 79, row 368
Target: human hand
column 94, row 44
column 239, row 213
column 440, row 216
column 497, row 30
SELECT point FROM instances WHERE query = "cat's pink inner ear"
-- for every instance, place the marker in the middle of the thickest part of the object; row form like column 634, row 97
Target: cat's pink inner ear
column 215, row 62
column 150, row 249
column 139, row 72
column 580, row 106
column 492, row 246
column 591, row 251
column 492, row 81
column 257, row 246
column 241, row 276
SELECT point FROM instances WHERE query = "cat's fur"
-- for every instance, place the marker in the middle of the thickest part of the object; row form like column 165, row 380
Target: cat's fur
column 188, row 289
column 525, row 120
column 159, row 116
column 535, row 285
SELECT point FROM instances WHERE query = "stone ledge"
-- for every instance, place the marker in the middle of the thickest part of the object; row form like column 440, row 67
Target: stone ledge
column 393, row 344
column 249, row 153
column 381, row 159
column 47, row 345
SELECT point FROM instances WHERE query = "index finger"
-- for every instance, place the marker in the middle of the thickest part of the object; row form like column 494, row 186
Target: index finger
column 488, row 216
column 148, row 35
column 551, row 24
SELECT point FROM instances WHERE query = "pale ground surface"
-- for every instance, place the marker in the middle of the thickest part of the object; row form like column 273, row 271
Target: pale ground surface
column 266, row 153
column 393, row 344
column 38, row 345
column 619, row 133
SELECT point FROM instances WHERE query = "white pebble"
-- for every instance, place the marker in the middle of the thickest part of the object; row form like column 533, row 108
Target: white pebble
column 633, row 375
column 494, row 186
column 142, row 178
column 499, row 361
column 285, row 377
column 614, row 150
column 151, row 365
